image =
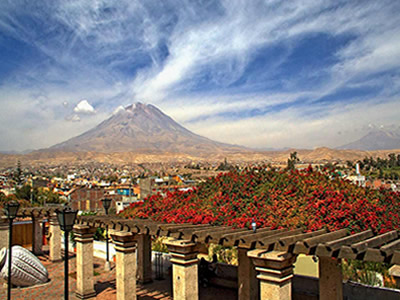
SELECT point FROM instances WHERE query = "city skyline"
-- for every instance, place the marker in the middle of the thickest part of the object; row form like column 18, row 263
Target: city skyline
column 258, row 74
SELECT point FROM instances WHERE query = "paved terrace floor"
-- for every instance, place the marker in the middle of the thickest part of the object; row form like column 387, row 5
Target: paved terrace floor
column 105, row 285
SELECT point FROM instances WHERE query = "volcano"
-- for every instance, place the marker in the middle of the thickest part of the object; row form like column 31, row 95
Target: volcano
column 142, row 128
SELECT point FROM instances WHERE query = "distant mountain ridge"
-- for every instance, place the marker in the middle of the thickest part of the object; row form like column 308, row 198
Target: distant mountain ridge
column 141, row 128
column 377, row 139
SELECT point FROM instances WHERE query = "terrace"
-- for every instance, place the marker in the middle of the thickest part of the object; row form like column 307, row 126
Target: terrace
column 266, row 257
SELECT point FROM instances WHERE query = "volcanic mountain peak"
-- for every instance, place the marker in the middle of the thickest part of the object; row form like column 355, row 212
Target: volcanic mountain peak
column 377, row 139
column 143, row 128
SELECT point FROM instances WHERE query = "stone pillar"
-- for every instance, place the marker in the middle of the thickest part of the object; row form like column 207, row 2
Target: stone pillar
column 125, row 246
column 330, row 279
column 144, row 274
column 37, row 236
column 247, row 277
column 4, row 233
column 84, row 261
column 55, row 239
column 184, row 269
column 275, row 272
column 395, row 272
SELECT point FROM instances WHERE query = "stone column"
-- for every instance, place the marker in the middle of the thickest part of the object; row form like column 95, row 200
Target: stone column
column 4, row 233
column 330, row 279
column 144, row 273
column 84, row 261
column 125, row 246
column 275, row 270
column 247, row 277
column 395, row 272
column 184, row 269
column 55, row 239
column 37, row 236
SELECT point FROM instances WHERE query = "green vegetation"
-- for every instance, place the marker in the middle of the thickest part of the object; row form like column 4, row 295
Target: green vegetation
column 367, row 272
column 292, row 160
column 382, row 168
column 38, row 196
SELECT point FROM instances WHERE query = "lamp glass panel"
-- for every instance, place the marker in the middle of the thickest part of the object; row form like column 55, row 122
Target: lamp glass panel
column 106, row 202
column 12, row 209
column 60, row 217
column 70, row 218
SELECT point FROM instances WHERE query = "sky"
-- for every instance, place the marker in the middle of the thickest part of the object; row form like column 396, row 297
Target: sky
column 263, row 74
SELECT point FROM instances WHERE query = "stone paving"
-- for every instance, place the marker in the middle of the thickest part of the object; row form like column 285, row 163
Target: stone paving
column 104, row 285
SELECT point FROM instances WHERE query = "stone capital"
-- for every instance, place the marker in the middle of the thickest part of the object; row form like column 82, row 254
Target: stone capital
column 273, row 259
column 53, row 220
column 181, row 246
column 183, row 252
column 83, row 233
column 124, row 241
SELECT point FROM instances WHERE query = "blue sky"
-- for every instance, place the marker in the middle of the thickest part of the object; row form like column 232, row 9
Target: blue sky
column 264, row 74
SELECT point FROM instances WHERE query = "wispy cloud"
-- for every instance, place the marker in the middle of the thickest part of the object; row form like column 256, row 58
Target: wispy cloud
column 258, row 73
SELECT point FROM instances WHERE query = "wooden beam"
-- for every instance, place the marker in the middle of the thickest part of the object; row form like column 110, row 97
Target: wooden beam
column 331, row 249
column 373, row 255
column 287, row 243
column 253, row 238
column 389, row 248
column 395, row 258
column 374, row 241
column 201, row 235
column 270, row 241
column 308, row 245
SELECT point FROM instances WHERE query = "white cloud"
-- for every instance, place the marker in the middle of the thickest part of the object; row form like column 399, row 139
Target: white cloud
column 118, row 109
column 121, row 51
column 300, row 128
column 84, row 107
column 74, row 118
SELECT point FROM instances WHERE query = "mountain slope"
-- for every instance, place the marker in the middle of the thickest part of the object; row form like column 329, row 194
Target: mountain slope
column 141, row 128
column 378, row 139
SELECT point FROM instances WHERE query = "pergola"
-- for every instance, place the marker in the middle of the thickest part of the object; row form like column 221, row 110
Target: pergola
column 266, row 257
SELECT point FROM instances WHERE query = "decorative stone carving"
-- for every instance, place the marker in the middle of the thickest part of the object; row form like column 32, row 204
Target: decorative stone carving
column 26, row 268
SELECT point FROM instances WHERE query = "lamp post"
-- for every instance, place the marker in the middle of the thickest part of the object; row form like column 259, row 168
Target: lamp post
column 11, row 210
column 106, row 204
column 254, row 225
column 66, row 218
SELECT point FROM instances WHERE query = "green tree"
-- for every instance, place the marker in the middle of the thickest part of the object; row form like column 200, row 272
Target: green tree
column 23, row 192
column 392, row 160
column 292, row 160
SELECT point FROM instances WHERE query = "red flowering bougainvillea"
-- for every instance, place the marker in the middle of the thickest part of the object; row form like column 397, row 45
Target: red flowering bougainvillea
column 276, row 199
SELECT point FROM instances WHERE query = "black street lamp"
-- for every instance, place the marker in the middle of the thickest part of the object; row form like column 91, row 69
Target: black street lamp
column 106, row 204
column 66, row 219
column 11, row 210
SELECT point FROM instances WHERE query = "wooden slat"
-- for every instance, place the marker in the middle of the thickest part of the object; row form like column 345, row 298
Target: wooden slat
column 249, row 233
column 284, row 244
column 251, row 240
column 309, row 245
column 346, row 252
column 188, row 232
column 217, row 236
column 313, row 241
column 331, row 249
column 395, row 258
column 270, row 241
column 373, row 255
column 389, row 248
column 374, row 241
column 229, row 237
column 334, row 245
column 191, row 227
column 150, row 228
column 201, row 235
